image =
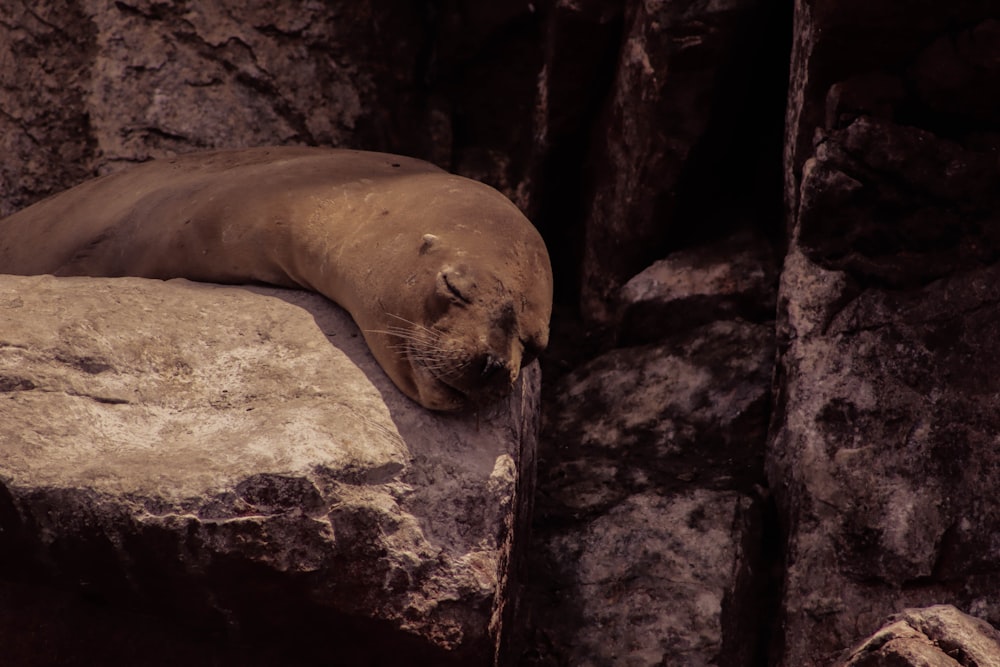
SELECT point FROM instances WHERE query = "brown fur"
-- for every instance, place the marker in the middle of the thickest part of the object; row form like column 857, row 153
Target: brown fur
column 449, row 282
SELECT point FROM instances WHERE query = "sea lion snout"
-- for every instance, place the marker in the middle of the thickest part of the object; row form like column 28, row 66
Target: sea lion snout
column 488, row 378
column 491, row 367
column 497, row 375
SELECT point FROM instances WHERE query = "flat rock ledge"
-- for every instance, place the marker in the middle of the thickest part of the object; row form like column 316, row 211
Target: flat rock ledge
column 231, row 462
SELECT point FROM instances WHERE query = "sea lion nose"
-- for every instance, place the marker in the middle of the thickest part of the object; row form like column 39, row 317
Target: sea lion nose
column 491, row 366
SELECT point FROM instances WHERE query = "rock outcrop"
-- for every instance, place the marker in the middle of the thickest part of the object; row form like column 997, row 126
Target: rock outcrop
column 938, row 636
column 682, row 70
column 883, row 458
column 647, row 545
column 233, row 460
column 716, row 182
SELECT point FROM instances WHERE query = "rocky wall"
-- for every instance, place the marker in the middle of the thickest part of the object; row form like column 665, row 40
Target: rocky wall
column 769, row 403
column 883, row 458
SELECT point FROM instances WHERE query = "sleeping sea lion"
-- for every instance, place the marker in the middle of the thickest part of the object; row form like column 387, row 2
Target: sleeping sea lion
column 450, row 284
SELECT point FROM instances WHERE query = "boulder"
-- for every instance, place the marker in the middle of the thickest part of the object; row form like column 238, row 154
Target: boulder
column 733, row 279
column 649, row 524
column 882, row 457
column 886, row 406
column 232, row 459
column 937, row 636
column 656, row 579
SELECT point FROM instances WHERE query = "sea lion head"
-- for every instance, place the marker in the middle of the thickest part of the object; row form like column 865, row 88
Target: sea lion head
column 472, row 315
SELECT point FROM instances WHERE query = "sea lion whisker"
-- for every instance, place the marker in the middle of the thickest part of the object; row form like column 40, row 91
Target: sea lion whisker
column 417, row 325
column 423, row 332
column 454, row 370
column 429, row 356
column 390, row 332
column 435, row 357
column 403, row 319
column 416, row 337
column 431, row 362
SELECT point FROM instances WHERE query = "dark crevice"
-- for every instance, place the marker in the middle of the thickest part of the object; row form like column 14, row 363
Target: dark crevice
column 281, row 106
column 769, row 648
column 574, row 120
column 733, row 178
column 156, row 12
column 11, row 384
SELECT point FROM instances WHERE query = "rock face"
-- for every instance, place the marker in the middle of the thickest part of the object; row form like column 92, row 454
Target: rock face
column 652, row 579
column 667, row 101
column 113, row 83
column 733, row 279
column 234, row 458
column 649, row 528
column 886, row 398
column 141, row 69
column 938, row 636
column 883, row 458
column 700, row 501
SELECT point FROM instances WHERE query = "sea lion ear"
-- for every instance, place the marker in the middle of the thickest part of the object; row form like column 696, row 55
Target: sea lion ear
column 427, row 242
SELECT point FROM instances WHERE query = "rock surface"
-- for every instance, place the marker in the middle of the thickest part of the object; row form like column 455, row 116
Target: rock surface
column 639, row 136
column 647, row 539
column 938, row 636
column 651, row 581
column 885, row 400
column 149, row 78
column 683, row 69
column 734, row 279
column 234, row 458
column 883, row 459
column 113, row 83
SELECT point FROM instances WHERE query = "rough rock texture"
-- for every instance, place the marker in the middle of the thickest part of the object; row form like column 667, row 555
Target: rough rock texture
column 886, row 407
column 632, row 133
column 679, row 77
column 696, row 401
column 938, row 636
column 89, row 86
column 922, row 65
column 114, row 83
column 733, row 279
column 652, row 581
column 233, row 458
column 648, row 535
column 884, row 458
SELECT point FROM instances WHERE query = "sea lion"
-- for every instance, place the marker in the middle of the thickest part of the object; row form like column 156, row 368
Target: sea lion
column 448, row 281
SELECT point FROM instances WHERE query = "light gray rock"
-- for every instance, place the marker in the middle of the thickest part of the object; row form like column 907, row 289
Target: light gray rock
column 651, row 577
column 233, row 456
column 736, row 278
column 883, row 459
column 646, row 548
column 937, row 636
